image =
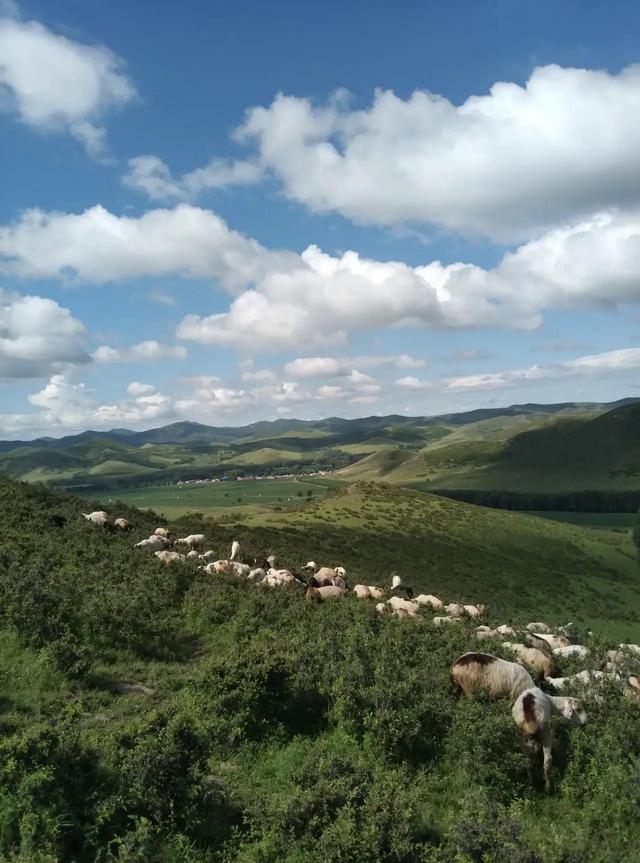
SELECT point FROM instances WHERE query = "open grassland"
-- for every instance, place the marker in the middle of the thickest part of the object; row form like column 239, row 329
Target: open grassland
column 619, row 521
column 212, row 497
column 154, row 713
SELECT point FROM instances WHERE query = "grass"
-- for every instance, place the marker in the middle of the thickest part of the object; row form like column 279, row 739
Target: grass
column 619, row 521
column 212, row 498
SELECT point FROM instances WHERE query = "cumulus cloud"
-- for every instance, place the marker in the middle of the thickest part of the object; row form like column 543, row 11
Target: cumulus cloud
column 149, row 174
column 592, row 365
column 286, row 300
column 310, row 367
column 142, row 352
column 37, row 336
column 53, row 83
column 625, row 359
column 507, row 164
column 161, row 297
column 137, row 389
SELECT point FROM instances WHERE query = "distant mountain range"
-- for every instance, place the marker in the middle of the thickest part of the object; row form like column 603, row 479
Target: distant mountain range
column 566, row 445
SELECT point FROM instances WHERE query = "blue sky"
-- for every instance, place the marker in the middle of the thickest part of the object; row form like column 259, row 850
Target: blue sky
column 228, row 212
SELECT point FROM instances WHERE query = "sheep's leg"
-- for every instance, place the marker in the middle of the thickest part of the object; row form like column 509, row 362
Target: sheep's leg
column 531, row 748
column 548, row 761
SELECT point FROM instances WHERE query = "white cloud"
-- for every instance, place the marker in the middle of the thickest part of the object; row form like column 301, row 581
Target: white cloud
column 161, row 298
column 507, row 164
column 143, row 352
column 309, row 367
column 286, row 301
column 37, row 336
column 625, row 359
column 260, row 375
column 149, row 174
column 137, row 389
column 98, row 247
column 53, row 83
column 413, row 383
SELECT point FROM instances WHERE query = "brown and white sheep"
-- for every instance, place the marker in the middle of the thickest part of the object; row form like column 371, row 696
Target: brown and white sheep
column 532, row 712
column 483, row 673
column 169, row 556
column 430, row 601
column 121, row 523
column 194, row 540
column 98, row 517
column 534, row 658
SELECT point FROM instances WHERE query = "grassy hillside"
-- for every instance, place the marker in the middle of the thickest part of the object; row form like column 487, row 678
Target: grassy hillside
column 154, row 713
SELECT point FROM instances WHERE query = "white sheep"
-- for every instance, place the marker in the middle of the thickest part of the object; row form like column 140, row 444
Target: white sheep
column 403, row 607
column 454, row 609
column 532, row 712
column 98, row 517
column 376, row 592
column 235, row 548
column 534, row 658
column 538, row 627
column 485, row 632
column 430, row 601
column 361, row 591
column 552, row 641
column 209, row 555
column 169, row 556
column 630, row 648
column 162, row 531
column 476, row 673
column 443, row 621
column 632, row 689
column 257, row 575
column 571, row 650
column 240, row 569
column 154, row 543
column 474, row 611
column 121, row 523
column 194, row 540
column 506, row 629
column 193, row 555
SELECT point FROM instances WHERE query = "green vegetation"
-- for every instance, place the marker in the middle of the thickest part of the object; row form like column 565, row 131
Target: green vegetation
column 622, row 521
column 217, row 497
column 153, row 713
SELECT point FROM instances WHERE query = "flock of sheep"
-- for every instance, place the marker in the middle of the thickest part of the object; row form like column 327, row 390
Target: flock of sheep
column 473, row 673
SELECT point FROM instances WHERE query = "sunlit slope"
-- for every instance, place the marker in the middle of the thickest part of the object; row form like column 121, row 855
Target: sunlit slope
column 521, row 565
column 571, row 454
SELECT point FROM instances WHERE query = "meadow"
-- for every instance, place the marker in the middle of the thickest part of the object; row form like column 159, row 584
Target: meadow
column 154, row 713
column 172, row 501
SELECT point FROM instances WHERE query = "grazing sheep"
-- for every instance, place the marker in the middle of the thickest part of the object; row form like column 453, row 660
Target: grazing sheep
column 258, row 574
column 583, row 678
column 241, row 569
column 193, row 555
column 534, row 658
column 98, row 517
column 474, row 611
column 403, row 607
column 401, row 590
column 506, row 629
column 632, row 689
column 454, row 609
column 325, row 573
column 571, row 650
column 630, row 648
column 154, row 543
column 532, row 714
column 361, row 591
column 272, row 560
column 332, row 591
column 208, row 555
column 121, row 524
column 382, row 607
column 486, row 632
column 476, row 673
column 220, row 567
column 194, row 540
column 442, row 621
column 535, row 639
column 169, row 556
column 312, row 565
column 162, row 531
column 431, row 601
column 235, row 548
column 376, row 592
column 538, row 627
column 313, row 595
column 277, row 577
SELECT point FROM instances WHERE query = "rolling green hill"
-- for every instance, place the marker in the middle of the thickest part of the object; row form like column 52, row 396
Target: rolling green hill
column 157, row 713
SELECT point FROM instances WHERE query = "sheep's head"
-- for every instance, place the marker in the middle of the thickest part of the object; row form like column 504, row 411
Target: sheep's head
column 396, row 581
column 574, row 712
